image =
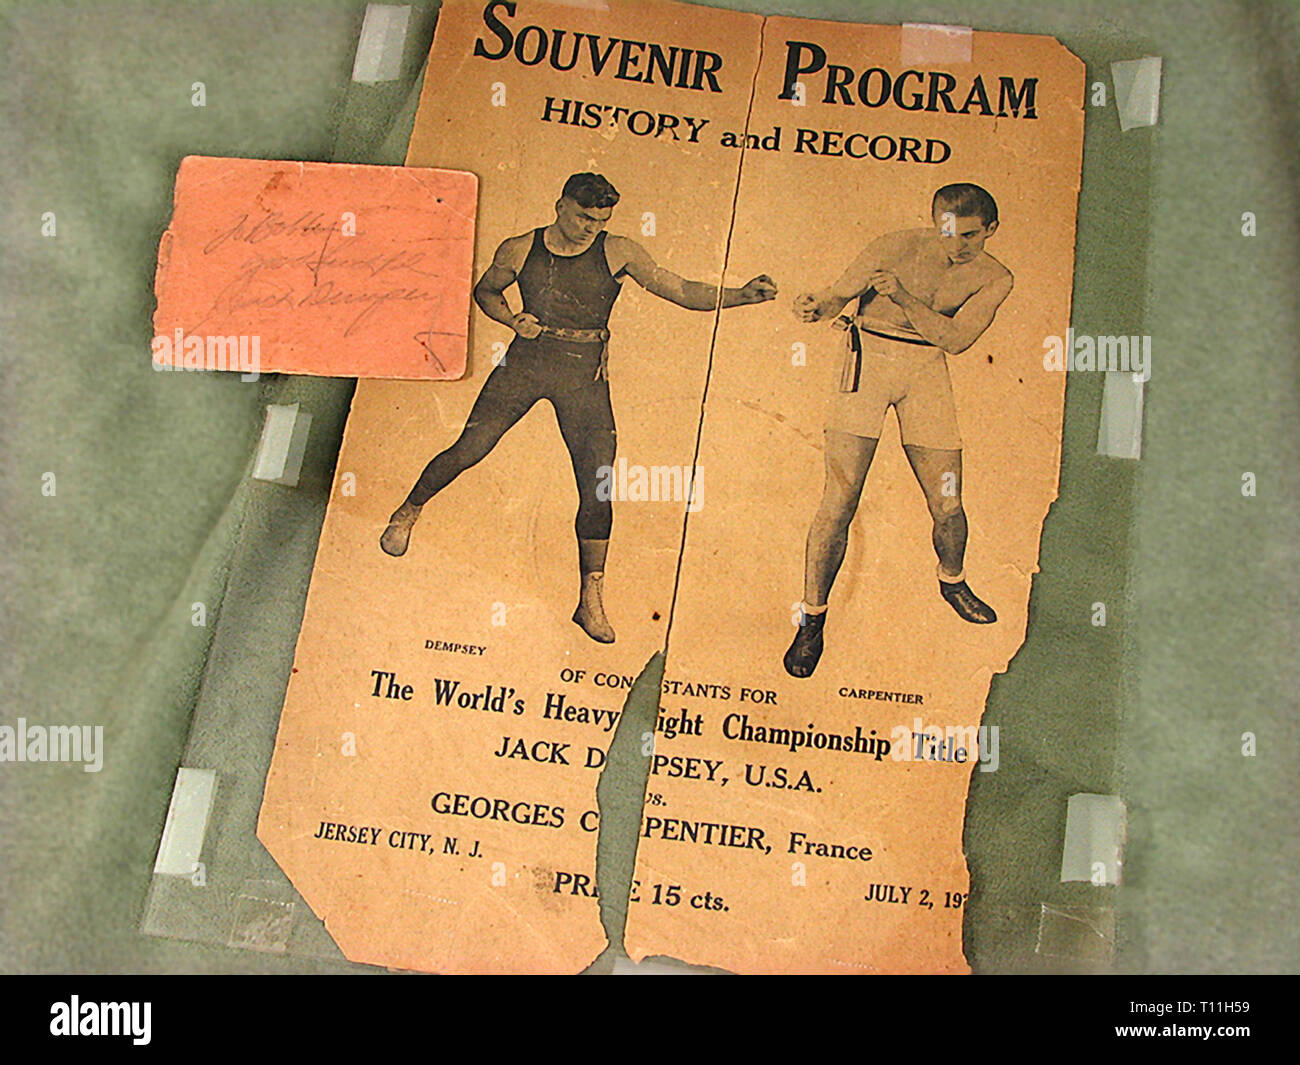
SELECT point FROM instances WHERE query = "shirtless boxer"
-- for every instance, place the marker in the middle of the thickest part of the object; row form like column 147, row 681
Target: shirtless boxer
column 922, row 294
column 569, row 274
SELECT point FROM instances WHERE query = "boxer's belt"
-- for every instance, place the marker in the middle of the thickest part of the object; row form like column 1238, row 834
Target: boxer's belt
column 851, row 375
column 584, row 336
column 590, row 336
column 857, row 324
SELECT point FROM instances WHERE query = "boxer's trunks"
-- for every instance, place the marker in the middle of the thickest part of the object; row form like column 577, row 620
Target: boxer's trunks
column 912, row 378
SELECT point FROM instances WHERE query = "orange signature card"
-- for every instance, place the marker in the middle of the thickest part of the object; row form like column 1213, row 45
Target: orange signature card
column 316, row 268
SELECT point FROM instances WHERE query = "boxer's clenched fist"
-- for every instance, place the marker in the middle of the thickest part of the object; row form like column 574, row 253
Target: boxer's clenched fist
column 807, row 308
column 526, row 325
column 885, row 283
column 759, row 289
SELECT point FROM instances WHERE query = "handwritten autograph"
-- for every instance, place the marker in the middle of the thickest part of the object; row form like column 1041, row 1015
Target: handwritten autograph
column 268, row 278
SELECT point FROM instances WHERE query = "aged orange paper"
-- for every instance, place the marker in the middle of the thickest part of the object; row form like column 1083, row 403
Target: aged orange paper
column 432, row 794
column 893, row 235
column 316, row 268
column 807, row 797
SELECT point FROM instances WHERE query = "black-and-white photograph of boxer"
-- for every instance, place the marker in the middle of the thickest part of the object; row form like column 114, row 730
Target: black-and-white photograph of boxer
column 922, row 295
column 569, row 273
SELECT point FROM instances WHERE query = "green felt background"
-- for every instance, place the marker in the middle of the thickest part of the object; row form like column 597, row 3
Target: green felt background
column 154, row 509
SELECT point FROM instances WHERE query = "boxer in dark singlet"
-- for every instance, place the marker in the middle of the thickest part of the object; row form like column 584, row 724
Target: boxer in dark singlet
column 569, row 274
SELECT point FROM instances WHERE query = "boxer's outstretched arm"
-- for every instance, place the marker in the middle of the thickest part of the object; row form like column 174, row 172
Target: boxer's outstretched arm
column 640, row 266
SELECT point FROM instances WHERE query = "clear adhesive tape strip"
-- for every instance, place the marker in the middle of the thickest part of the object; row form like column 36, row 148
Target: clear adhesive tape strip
column 283, row 444
column 927, row 42
column 1137, row 91
column 187, row 822
column 1119, row 433
column 379, row 47
column 1094, row 839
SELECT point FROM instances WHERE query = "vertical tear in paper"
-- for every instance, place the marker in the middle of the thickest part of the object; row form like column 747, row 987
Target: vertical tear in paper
column 1137, row 91
column 620, row 798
